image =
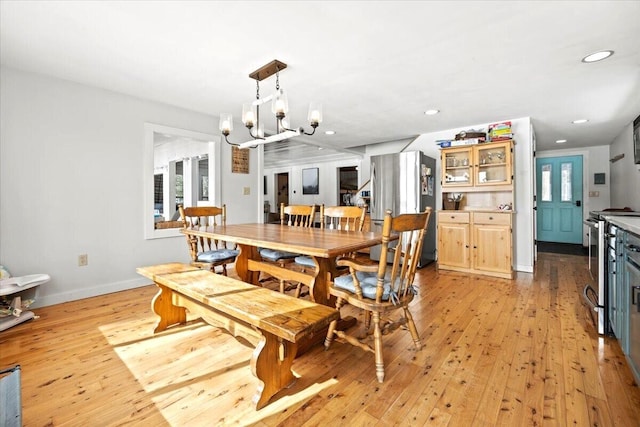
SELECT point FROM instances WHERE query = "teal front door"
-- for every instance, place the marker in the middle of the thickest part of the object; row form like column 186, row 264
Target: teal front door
column 559, row 199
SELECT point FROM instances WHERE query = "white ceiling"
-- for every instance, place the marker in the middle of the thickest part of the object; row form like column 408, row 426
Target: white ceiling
column 375, row 66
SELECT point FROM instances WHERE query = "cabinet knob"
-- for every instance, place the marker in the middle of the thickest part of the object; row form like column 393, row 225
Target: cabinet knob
column 490, row 218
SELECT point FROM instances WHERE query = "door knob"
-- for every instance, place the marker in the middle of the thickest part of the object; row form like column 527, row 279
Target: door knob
column 578, row 203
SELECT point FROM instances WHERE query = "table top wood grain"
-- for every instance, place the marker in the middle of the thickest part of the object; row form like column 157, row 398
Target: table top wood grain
column 322, row 243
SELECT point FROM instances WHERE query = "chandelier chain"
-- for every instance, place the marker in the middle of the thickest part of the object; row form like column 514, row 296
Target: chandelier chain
column 257, row 89
column 277, row 79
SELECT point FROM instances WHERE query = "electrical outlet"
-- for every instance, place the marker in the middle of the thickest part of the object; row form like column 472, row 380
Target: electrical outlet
column 594, row 194
column 247, row 191
column 83, row 260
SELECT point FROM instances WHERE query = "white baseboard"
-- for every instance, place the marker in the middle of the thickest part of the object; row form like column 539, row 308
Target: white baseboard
column 76, row 294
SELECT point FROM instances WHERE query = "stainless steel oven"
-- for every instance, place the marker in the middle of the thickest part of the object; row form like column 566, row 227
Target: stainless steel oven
column 594, row 292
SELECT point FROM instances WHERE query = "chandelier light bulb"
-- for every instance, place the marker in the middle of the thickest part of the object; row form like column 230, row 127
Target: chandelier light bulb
column 248, row 115
column 315, row 114
column 226, row 123
column 280, row 106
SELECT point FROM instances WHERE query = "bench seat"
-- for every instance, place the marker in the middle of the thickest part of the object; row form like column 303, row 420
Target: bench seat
column 273, row 322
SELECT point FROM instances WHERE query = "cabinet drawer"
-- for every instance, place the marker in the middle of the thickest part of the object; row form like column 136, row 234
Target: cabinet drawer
column 457, row 217
column 491, row 218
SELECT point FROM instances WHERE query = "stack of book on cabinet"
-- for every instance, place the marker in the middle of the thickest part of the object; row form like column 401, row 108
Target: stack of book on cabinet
column 500, row 132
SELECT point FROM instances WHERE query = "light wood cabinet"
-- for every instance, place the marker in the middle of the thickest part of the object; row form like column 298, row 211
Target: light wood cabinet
column 453, row 239
column 492, row 243
column 475, row 242
column 476, row 167
column 477, row 239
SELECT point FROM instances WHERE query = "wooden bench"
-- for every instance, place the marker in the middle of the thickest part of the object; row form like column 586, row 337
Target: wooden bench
column 273, row 322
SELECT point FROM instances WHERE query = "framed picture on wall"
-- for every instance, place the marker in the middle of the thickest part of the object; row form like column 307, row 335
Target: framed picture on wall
column 310, row 181
column 239, row 160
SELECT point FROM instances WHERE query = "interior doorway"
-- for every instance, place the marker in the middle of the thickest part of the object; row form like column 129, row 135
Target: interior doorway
column 282, row 190
column 347, row 185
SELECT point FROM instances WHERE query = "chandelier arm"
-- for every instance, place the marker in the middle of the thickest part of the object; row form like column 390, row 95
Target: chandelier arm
column 314, row 131
column 256, row 136
column 282, row 127
column 229, row 142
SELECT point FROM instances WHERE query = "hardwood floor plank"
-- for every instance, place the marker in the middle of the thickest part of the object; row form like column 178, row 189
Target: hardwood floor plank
column 495, row 352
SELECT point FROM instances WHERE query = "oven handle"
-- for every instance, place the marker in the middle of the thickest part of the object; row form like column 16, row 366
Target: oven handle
column 589, row 292
column 633, row 297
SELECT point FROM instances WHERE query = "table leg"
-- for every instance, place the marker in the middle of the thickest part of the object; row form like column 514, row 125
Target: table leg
column 247, row 252
column 319, row 290
column 162, row 305
column 271, row 364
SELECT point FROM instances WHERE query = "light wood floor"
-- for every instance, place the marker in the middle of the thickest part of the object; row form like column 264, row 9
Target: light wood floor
column 496, row 352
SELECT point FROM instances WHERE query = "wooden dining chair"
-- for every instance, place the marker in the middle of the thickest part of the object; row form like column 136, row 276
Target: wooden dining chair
column 379, row 290
column 348, row 218
column 290, row 216
column 206, row 252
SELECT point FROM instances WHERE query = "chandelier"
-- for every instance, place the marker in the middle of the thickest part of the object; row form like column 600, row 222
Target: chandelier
column 279, row 107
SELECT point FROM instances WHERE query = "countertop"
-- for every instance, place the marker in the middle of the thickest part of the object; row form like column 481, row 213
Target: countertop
column 485, row 210
column 629, row 223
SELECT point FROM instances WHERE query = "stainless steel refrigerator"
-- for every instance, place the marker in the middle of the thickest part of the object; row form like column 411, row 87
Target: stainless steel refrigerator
column 405, row 183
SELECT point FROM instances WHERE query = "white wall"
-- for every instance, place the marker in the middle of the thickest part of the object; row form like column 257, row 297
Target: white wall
column 328, row 182
column 71, row 161
column 594, row 160
column 625, row 174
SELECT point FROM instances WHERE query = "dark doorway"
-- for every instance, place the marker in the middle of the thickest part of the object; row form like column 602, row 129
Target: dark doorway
column 282, row 190
column 347, row 185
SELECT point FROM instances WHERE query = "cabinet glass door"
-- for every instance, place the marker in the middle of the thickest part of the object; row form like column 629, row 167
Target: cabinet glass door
column 493, row 164
column 457, row 167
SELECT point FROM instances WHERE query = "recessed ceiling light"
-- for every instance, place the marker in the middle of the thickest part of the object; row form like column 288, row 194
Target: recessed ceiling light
column 580, row 121
column 597, row 56
column 561, row 141
column 330, row 132
column 431, row 112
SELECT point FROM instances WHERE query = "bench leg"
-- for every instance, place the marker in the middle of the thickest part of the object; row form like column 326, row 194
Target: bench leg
column 169, row 314
column 271, row 364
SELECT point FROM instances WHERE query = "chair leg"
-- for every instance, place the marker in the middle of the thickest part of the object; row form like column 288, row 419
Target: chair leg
column 367, row 321
column 412, row 328
column 377, row 346
column 332, row 326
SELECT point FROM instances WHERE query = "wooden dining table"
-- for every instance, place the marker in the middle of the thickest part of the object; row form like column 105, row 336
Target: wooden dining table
column 323, row 245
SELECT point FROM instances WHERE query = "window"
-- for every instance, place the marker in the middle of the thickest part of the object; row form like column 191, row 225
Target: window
column 546, row 183
column 566, row 191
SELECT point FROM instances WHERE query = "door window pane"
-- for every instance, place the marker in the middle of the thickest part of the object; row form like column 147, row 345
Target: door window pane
column 565, row 187
column 546, row 183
